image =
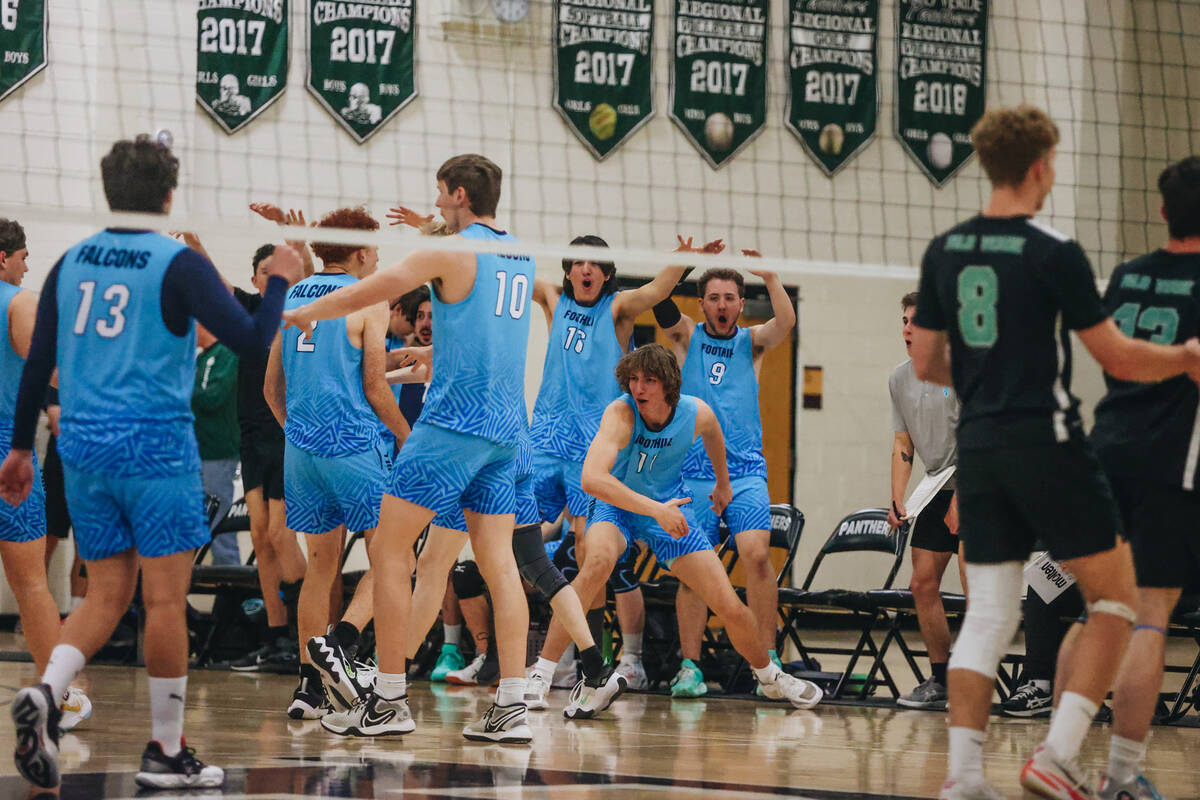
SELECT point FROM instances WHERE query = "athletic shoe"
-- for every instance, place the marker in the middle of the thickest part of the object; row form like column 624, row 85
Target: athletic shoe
column 1104, row 714
column 1028, row 701
column 37, row 718
column 957, row 790
column 279, row 654
column 503, row 724
column 180, row 771
column 536, row 688
column 588, row 699
column 774, row 657
column 635, row 674
column 75, row 708
column 448, row 660
column 489, row 673
column 372, row 715
column 308, row 701
column 689, row 681
column 342, row 681
column 468, row 675
column 566, row 675
column 1140, row 788
column 799, row 692
column 1048, row 777
column 928, row 694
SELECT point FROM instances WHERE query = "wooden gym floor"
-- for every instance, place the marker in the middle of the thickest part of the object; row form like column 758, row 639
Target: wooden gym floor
column 647, row 746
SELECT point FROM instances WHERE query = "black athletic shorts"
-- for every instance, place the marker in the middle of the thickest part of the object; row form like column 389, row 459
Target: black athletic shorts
column 262, row 464
column 1160, row 523
column 58, row 518
column 930, row 531
column 1010, row 497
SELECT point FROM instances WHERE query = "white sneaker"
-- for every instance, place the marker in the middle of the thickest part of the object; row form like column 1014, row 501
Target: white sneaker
column 1047, row 776
column 76, row 708
column 503, row 724
column 588, row 701
column 537, row 686
column 799, row 692
column 468, row 675
column 372, row 716
column 957, row 790
column 634, row 674
column 566, row 675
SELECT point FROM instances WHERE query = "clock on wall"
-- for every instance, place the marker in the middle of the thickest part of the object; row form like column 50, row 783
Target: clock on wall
column 510, row 10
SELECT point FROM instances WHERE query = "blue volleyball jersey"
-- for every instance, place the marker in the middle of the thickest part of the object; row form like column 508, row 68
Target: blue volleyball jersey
column 478, row 385
column 11, row 364
column 395, row 343
column 327, row 410
column 578, row 378
column 720, row 372
column 125, row 380
column 652, row 463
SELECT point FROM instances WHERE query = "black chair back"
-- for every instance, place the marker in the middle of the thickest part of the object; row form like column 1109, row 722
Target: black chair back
column 866, row 530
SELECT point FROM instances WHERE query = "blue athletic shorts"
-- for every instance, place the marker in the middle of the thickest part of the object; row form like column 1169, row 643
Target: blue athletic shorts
column 322, row 493
column 749, row 510
column 557, row 484
column 26, row 522
column 157, row 516
column 665, row 547
column 444, row 470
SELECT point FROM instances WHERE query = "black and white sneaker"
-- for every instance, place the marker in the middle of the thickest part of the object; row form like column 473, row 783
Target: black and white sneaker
column 590, row 698
column 1028, row 700
column 344, row 685
column 503, row 724
column 180, row 771
column 308, row 701
column 372, row 715
column 36, row 714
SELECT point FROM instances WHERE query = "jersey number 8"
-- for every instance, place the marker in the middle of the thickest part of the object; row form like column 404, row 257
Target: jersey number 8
column 978, row 291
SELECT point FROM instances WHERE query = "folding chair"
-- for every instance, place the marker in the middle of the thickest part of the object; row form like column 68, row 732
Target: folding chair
column 1185, row 622
column 230, row 584
column 863, row 531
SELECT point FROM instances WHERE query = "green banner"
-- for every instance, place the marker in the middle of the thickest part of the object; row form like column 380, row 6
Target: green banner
column 603, row 69
column 941, row 62
column 241, row 58
column 360, row 61
column 22, row 42
column 719, row 74
column 833, row 92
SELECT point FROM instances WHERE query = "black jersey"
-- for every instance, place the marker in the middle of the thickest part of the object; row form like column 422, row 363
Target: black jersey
column 254, row 415
column 1151, row 430
column 1007, row 290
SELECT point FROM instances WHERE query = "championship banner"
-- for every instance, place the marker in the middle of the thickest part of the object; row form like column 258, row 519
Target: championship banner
column 603, row 69
column 719, row 74
column 941, row 59
column 22, row 42
column 241, row 58
column 833, row 92
column 361, row 60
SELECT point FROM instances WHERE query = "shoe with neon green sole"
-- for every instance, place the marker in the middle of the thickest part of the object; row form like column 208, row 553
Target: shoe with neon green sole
column 689, row 681
column 449, row 660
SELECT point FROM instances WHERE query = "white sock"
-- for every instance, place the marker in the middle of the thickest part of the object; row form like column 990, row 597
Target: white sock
column 390, row 685
column 74, row 604
column 166, row 713
column 1070, row 725
column 631, row 647
column 453, row 633
column 64, row 664
column 1125, row 757
column 545, row 667
column 510, row 691
column 966, row 755
column 769, row 673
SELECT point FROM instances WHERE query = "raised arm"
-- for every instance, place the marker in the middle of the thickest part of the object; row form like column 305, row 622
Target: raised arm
column 632, row 303
column 709, row 429
column 275, row 383
column 374, row 369
column 275, row 214
column 775, row 330
column 546, row 295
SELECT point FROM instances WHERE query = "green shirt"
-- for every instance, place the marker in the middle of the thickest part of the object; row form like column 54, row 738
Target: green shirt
column 214, row 402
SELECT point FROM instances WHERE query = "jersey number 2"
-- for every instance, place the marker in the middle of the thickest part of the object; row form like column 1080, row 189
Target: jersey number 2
column 111, row 327
column 304, row 344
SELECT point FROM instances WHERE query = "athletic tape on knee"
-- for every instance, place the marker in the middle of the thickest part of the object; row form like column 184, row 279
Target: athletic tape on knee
column 533, row 563
column 993, row 614
column 1113, row 607
column 467, row 581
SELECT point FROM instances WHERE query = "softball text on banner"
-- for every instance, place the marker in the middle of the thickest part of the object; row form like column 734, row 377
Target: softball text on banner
column 603, row 69
column 22, row 42
column 241, row 58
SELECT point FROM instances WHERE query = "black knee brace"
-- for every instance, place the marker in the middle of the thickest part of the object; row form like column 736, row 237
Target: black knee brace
column 533, row 563
column 467, row 581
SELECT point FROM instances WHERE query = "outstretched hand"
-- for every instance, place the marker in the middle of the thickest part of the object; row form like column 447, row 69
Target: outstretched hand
column 269, row 211
column 285, row 263
column 415, row 356
column 406, row 216
column 686, row 246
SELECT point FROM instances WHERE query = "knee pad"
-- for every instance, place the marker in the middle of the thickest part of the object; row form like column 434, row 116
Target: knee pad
column 623, row 578
column 1113, row 607
column 993, row 614
column 467, row 581
column 533, row 563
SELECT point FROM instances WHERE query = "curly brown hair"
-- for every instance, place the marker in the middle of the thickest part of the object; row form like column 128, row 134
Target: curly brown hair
column 1010, row 140
column 357, row 218
column 655, row 361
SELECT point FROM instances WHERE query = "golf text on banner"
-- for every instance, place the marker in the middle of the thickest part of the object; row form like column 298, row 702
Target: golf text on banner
column 22, row 42
column 719, row 74
column 241, row 58
column 361, row 61
column 833, row 92
column 603, row 69
column 941, row 59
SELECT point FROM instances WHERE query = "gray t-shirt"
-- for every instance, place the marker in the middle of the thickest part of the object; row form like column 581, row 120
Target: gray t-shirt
column 928, row 413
